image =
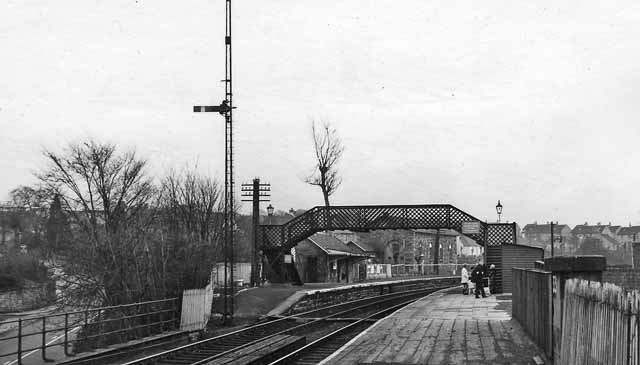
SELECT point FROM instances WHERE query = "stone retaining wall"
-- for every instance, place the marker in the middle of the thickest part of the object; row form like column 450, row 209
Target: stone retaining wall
column 325, row 297
column 33, row 295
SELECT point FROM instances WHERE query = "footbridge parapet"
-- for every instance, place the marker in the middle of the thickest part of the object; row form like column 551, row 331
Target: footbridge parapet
column 375, row 217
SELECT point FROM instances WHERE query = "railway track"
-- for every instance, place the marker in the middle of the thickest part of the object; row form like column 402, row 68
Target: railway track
column 323, row 347
column 341, row 322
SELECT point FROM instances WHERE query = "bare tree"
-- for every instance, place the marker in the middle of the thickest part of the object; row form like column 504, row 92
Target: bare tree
column 191, row 226
column 328, row 149
column 27, row 213
column 27, row 197
column 106, row 197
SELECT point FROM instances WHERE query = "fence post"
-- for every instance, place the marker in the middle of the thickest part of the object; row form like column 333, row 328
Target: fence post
column 66, row 334
column 629, row 339
column 177, row 313
column 44, row 343
column 19, row 341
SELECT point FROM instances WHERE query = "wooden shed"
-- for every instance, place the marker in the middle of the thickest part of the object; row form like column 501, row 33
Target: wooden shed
column 506, row 257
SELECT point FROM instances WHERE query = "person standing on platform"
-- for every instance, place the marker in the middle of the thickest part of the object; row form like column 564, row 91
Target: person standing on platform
column 477, row 276
column 492, row 278
column 464, row 279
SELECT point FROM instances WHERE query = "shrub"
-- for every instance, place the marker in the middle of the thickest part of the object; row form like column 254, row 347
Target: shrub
column 8, row 282
column 16, row 268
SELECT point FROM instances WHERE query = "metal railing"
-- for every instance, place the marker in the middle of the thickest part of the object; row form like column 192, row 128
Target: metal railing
column 97, row 327
column 404, row 270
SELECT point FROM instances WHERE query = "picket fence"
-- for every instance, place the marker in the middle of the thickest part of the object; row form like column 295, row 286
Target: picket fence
column 196, row 308
column 600, row 324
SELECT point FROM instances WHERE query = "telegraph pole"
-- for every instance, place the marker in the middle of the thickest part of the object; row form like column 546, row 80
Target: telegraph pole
column 258, row 193
column 226, row 109
column 552, row 240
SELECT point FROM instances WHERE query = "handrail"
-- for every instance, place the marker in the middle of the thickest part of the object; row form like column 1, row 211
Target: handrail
column 161, row 312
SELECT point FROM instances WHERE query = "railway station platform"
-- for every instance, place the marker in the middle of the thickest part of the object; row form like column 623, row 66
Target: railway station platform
column 444, row 328
column 276, row 299
column 261, row 301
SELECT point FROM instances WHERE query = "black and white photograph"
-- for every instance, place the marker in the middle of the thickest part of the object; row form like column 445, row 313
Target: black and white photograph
column 319, row 182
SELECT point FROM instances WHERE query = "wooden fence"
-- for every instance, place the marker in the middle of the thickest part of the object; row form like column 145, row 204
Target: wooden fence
column 196, row 308
column 600, row 324
column 531, row 305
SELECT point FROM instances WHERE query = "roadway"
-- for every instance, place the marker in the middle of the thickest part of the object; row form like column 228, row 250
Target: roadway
column 32, row 338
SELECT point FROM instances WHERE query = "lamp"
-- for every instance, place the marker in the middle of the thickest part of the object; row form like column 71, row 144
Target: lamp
column 499, row 210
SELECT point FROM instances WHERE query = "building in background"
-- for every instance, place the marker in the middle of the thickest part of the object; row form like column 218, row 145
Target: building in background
column 542, row 232
column 322, row 258
column 468, row 248
column 628, row 235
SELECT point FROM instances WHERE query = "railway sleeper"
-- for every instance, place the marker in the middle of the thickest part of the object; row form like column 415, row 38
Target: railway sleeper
column 262, row 352
column 350, row 320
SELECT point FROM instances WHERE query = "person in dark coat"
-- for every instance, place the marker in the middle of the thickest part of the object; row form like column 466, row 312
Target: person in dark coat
column 477, row 276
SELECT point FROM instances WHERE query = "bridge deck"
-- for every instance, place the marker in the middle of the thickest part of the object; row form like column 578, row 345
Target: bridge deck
column 444, row 329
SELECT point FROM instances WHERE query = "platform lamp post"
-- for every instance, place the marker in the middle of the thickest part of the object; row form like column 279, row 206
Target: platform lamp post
column 499, row 210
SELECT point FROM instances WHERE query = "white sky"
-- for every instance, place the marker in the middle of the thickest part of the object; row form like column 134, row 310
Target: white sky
column 461, row 102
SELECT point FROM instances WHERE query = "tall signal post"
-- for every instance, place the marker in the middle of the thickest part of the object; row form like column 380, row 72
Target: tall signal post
column 226, row 109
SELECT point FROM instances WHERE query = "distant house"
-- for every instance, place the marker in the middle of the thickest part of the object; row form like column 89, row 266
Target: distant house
column 585, row 230
column 324, row 258
column 468, row 247
column 405, row 246
column 418, row 248
column 612, row 231
column 607, row 235
column 535, row 233
column 629, row 234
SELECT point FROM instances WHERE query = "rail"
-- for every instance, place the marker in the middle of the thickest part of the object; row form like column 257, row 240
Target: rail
column 273, row 329
column 356, row 325
column 96, row 326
